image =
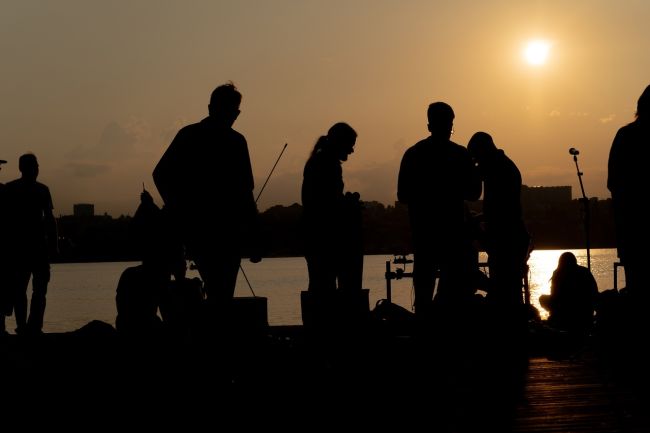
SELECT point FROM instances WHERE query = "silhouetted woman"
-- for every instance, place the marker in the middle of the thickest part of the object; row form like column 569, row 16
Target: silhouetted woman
column 628, row 182
column 331, row 219
column 573, row 296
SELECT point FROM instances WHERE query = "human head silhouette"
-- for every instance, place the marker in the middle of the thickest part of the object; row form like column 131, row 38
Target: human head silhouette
column 28, row 166
column 481, row 146
column 567, row 260
column 340, row 140
column 441, row 120
column 342, row 137
column 224, row 104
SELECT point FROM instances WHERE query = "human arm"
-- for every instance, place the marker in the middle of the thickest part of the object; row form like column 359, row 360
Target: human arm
column 405, row 179
column 50, row 227
column 168, row 173
column 614, row 177
column 249, row 210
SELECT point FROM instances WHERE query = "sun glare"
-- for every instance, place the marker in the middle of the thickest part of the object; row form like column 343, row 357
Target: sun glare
column 536, row 52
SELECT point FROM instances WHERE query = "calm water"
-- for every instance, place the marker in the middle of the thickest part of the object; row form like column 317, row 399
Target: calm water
column 81, row 292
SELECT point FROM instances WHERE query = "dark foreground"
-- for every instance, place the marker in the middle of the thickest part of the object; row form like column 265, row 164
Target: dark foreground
column 456, row 376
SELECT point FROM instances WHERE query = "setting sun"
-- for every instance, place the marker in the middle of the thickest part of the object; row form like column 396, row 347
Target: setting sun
column 536, row 52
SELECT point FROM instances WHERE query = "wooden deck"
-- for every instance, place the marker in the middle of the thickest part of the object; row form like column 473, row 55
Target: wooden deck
column 579, row 395
column 589, row 391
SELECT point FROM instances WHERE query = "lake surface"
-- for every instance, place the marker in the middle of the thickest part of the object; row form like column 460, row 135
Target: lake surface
column 81, row 292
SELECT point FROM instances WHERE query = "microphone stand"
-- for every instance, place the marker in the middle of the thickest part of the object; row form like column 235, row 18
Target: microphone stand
column 585, row 202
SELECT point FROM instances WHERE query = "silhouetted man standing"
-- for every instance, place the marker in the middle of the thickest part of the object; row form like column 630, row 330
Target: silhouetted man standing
column 32, row 239
column 506, row 239
column 206, row 181
column 628, row 182
column 436, row 176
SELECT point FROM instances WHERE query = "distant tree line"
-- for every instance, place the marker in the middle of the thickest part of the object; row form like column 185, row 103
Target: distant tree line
column 95, row 239
column 386, row 231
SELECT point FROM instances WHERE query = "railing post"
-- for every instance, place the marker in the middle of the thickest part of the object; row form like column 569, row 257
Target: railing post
column 388, row 278
column 526, row 286
column 616, row 265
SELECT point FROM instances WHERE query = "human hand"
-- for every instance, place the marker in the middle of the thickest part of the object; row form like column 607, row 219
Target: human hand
column 145, row 197
column 354, row 196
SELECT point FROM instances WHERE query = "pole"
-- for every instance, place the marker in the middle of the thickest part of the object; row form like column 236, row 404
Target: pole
column 258, row 197
column 247, row 282
column 271, row 172
column 388, row 278
column 585, row 202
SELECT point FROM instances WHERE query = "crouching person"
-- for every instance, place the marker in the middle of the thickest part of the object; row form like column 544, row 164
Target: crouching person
column 137, row 301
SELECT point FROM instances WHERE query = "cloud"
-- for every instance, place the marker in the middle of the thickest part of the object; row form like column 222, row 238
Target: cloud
column 116, row 142
column 85, row 170
column 376, row 182
column 169, row 133
column 557, row 113
column 282, row 188
column 608, row 118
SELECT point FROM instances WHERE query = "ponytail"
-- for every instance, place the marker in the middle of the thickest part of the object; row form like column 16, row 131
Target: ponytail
column 319, row 146
column 338, row 132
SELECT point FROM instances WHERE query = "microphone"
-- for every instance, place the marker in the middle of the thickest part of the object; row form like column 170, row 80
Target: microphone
column 574, row 151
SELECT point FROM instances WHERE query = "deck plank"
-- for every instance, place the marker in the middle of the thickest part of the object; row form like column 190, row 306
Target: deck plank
column 577, row 395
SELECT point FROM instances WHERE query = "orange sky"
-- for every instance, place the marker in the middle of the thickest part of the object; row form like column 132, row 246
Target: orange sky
column 98, row 89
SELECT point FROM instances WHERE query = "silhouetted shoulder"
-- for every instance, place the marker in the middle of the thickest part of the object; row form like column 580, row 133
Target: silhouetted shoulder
column 630, row 129
column 21, row 188
column 429, row 145
column 628, row 158
column 238, row 136
column 190, row 130
column 205, row 127
column 420, row 146
column 459, row 149
column 631, row 133
column 589, row 279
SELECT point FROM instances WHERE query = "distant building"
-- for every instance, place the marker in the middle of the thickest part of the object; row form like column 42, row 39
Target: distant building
column 83, row 210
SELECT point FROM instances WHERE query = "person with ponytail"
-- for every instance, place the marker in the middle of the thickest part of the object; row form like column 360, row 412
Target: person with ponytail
column 331, row 219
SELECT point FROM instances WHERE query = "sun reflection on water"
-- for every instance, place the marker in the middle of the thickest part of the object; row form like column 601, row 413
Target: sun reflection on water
column 542, row 263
